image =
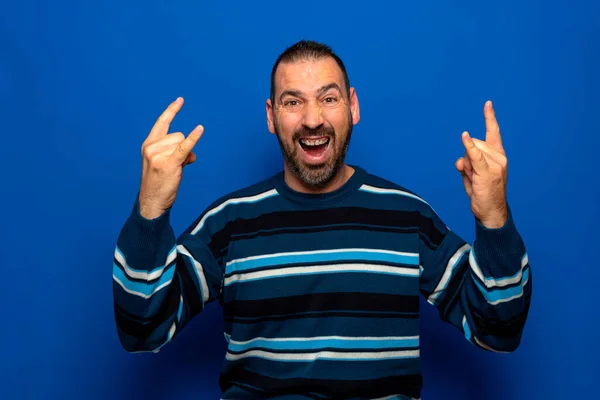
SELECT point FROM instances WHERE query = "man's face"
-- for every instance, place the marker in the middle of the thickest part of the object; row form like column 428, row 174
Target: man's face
column 312, row 117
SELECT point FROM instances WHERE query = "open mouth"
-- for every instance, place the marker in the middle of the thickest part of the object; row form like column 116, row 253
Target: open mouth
column 314, row 147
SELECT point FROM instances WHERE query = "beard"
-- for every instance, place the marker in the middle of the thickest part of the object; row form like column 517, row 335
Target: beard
column 319, row 175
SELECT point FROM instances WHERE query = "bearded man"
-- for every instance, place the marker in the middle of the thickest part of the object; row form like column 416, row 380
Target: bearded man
column 320, row 267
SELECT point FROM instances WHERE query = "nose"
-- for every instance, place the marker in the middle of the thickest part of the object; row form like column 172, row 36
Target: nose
column 312, row 116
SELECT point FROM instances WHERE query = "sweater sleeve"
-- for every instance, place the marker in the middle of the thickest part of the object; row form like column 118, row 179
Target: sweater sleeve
column 485, row 289
column 160, row 282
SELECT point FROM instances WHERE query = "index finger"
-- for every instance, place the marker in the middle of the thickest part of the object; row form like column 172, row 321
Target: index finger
column 161, row 126
column 492, row 129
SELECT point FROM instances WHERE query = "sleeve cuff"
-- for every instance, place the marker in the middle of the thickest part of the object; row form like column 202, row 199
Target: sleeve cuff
column 149, row 233
column 494, row 242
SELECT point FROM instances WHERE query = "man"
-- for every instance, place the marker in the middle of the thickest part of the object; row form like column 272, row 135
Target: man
column 319, row 268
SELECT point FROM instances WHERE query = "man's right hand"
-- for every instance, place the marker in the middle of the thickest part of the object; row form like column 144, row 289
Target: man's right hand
column 163, row 157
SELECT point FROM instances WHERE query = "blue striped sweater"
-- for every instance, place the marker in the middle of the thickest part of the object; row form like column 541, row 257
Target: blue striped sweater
column 320, row 293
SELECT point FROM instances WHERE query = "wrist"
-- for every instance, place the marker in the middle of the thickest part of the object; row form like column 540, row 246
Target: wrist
column 150, row 210
column 496, row 219
column 149, row 231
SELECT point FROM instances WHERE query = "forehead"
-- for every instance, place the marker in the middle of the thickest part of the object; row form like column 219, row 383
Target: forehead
column 308, row 75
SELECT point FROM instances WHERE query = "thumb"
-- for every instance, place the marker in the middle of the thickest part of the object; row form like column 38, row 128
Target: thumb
column 191, row 158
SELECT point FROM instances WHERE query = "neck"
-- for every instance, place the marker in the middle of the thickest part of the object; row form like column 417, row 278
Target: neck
column 339, row 179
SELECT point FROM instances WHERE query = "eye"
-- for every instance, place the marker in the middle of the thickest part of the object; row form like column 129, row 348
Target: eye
column 330, row 100
column 290, row 103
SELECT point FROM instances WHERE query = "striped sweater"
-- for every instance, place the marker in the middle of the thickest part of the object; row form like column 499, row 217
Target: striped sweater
column 320, row 293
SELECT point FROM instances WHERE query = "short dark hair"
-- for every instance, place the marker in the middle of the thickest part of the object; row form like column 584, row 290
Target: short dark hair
column 307, row 50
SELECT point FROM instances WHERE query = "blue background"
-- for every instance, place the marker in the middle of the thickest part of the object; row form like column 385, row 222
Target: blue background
column 82, row 83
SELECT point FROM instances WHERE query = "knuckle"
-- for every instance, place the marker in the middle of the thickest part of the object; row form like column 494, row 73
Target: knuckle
column 177, row 135
column 148, row 141
column 151, row 152
column 153, row 160
column 165, row 116
column 497, row 171
column 146, row 151
column 503, row 161
column 181, row 149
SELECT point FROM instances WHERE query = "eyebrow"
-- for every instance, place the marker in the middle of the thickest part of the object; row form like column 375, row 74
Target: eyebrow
column 322, row 89
column 326, row 88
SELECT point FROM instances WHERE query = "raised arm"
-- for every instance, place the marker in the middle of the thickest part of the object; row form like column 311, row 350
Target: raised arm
column 159, row 281
column 484, row 289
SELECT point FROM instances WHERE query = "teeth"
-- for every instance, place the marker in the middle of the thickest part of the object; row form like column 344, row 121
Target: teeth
column 309, row 142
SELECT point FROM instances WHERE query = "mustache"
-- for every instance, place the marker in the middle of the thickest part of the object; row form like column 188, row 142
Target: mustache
column 319, row 131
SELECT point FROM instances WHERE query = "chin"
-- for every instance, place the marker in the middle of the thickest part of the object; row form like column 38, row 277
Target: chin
column 316, row 176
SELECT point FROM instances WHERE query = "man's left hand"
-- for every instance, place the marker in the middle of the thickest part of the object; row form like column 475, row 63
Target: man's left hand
column 484, row 172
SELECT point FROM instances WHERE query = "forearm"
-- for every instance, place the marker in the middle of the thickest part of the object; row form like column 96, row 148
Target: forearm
column 497, row 290
column 145, row 257
column 149, row 283
column 499, row 269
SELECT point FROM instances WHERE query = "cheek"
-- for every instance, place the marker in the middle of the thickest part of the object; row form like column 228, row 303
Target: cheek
column 338, row 117
column 287, row 123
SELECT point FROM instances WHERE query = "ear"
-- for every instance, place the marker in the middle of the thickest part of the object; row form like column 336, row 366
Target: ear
column 354, row 107
column 269, row 110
